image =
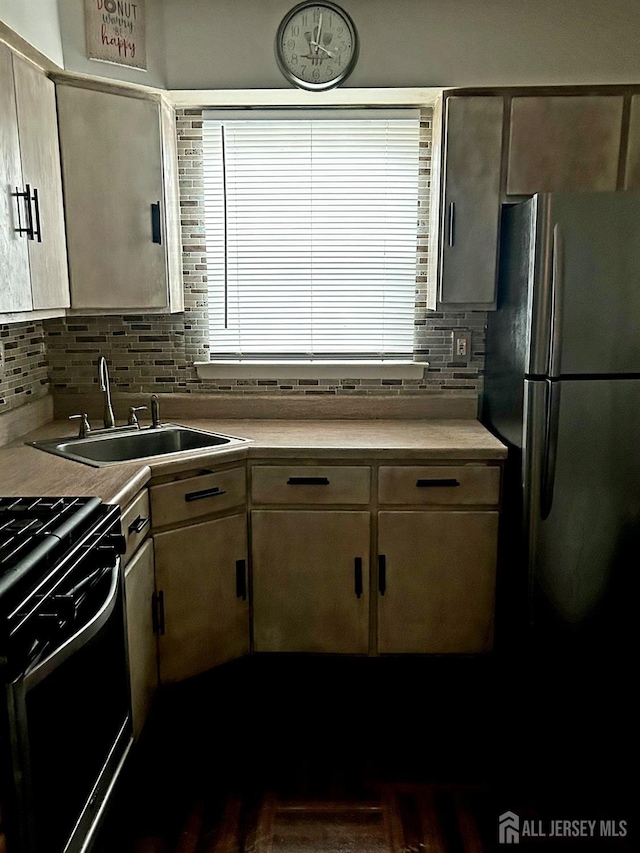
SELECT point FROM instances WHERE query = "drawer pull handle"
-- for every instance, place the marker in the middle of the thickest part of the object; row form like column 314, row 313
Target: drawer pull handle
column 357, row 571
column 382, row 574
column 307, row 481
column 241, row 579
column 204, row 493
column 138, row 524
column 437, row 483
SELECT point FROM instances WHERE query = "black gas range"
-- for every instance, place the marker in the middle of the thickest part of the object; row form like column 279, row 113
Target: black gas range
column 65, row 722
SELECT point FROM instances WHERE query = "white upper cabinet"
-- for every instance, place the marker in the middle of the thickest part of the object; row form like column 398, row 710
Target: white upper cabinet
column 32, row 236
column 119, row 171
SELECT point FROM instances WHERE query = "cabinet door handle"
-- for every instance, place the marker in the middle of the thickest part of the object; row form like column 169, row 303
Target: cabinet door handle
column 157, row 612
column 382, row 574
column 451, row 234
column 307, row 481
column 138, row 524
column 37, row 232
column 241, row 579
column 156, row 226
column 204, row 493
column 357, row 571
column 25, row 195
column 437, row 483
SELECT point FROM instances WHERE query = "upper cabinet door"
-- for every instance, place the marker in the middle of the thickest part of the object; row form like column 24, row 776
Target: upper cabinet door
column 38, row 129
column 15, row 283
column 564, row 143
column 471, row 201
column 113, row 190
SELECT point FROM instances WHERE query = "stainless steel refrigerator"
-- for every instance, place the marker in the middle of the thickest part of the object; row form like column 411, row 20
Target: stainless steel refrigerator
column 562, row 389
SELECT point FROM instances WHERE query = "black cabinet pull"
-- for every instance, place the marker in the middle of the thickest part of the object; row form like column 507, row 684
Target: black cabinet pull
column 36, row 233
column 357, row 571
column 156, row 228
column 138, row 524
column 382, row 574
column 307, row 481
column 451, row 234
column 436, row 483
column 204, row 493
column 25, row 195
column 157, row 612
column 241, row 579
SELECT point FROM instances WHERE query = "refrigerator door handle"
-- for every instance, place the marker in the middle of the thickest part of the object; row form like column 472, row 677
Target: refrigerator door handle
column 557, row 301
column 550, row 448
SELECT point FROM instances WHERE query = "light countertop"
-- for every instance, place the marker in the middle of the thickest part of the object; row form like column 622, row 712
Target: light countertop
column 26, row 471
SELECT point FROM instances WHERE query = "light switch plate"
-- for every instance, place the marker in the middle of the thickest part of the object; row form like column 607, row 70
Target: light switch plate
column 461, row 345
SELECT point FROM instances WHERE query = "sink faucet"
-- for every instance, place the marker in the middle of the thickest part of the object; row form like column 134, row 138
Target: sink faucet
column 155, row 411
column 103, row 378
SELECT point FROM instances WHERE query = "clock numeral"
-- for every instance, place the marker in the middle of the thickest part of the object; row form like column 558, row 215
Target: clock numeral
column 295, row 31
column 338, row 59
column 316, row 15
column 304, row 19
column 316, row 73
column 291, row 43
column 294, row 59
column 339, row 31
column 342, row 46
column 303, row 69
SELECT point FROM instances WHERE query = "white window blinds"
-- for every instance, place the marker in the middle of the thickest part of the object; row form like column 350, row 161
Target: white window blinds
column 311, row 236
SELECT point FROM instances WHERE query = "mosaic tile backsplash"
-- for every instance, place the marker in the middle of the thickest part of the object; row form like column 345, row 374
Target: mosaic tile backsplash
column 152, row 353
column 25, row 375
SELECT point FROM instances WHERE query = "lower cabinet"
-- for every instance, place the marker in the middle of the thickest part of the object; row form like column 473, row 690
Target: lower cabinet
column 436, row 579
column 201, row 577
column 143, row 662
column 310, row 581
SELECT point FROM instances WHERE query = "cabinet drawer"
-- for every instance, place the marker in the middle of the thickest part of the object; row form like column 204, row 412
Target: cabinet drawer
column 197, row 496
column 439, row 485
column 136, row 523
column 310, row 484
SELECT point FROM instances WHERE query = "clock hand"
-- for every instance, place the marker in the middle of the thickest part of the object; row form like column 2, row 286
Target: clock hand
column 319, row 31
column 328, row 52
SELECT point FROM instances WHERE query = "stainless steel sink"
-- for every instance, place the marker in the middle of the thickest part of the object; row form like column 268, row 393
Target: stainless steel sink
column 126, row 445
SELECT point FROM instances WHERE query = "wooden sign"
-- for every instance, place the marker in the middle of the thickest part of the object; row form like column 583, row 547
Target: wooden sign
column 115, row 32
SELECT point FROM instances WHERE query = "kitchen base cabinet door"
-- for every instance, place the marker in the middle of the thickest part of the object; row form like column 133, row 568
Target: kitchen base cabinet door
column 143, row 650
column 310, row 581
column 201, row 574
column 438, row 576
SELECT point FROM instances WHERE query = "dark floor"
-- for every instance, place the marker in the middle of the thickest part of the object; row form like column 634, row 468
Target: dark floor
column 311, row 755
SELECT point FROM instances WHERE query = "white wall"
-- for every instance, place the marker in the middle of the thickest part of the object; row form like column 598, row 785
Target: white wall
column 75, row 56
column 37, row 22
column 230, row 43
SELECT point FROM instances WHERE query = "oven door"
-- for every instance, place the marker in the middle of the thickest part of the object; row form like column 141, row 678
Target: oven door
column 70, row 721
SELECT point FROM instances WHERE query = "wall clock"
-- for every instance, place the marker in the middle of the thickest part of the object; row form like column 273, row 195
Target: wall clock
column 316, row 45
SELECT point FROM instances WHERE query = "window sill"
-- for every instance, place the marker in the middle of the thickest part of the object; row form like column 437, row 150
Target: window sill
column 352, row 369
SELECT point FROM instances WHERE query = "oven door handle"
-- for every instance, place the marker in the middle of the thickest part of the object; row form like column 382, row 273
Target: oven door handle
column 39, row 671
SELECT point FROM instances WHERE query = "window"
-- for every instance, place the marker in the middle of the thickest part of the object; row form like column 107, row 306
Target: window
column 311, row 234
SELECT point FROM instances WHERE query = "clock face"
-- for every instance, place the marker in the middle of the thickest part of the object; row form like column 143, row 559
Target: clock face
column 316, row 45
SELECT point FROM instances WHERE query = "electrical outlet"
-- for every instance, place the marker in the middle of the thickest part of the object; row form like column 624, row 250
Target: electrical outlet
column 461, row 345
column 1, row 361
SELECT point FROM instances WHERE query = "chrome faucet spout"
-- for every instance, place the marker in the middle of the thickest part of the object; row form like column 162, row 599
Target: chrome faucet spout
column 103, row 378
